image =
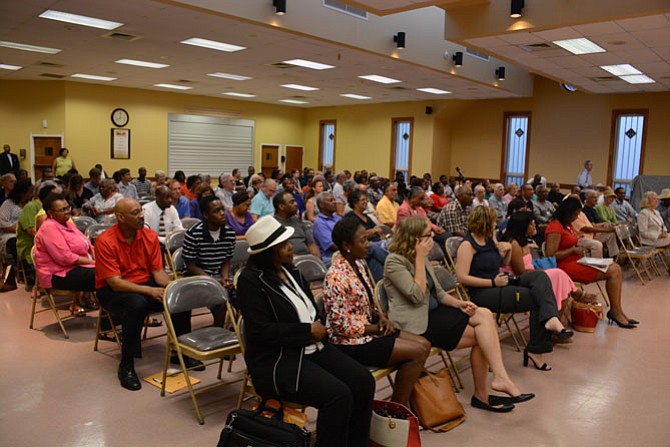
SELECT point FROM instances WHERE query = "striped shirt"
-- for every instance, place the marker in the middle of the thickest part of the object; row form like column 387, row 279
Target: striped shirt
column 208, row 254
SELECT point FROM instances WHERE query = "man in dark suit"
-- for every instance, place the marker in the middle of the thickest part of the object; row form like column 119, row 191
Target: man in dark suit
column 9, row 162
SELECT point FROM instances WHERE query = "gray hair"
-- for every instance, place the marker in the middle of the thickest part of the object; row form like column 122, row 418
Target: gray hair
column 415, row 191
column 224, row 177
column 322, row 197
column 6, row 176
column 540, row 188
column 159, row 173
column 462, row 190
column 479, row 188
column 340, row 175
column 498, row 185
column 590, row 193
column 349, row 185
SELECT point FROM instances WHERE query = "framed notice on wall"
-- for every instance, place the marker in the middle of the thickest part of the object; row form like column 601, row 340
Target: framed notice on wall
column 120, row 143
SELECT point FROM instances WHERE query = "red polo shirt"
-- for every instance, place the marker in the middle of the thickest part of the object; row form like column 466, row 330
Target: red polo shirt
column 134, row 263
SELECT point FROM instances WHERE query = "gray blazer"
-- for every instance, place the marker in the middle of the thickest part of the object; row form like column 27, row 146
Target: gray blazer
column 408, row 304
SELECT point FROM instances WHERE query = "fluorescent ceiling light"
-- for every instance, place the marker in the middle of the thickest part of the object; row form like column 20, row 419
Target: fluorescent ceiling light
column 141, row 63
column 621, row 70
column 176, row 87
column 378, row 78
column 638, row 79
column 10, row 67
column 26, row 47
column 79, row 20
column 579, row 46
column 300, row 87
column 240, row 95
column 229, row 76
column 93, row 77
column 434, row 91
column 308, row 64
column 213, row 44
column 293, row 101
column 355, row 96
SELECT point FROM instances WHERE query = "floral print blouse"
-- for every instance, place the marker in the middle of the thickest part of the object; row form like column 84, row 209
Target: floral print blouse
column 348, row 308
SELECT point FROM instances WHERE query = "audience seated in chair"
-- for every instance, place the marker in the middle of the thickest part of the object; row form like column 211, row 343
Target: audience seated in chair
column 323, row 227
column 286, row 213
column 160, row 216
column 10, row 212
column 653, row 231
column 102, row 204
column 238, row 217
column 178, row 200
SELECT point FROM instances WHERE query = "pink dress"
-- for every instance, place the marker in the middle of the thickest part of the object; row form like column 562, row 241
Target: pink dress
column 560, row 281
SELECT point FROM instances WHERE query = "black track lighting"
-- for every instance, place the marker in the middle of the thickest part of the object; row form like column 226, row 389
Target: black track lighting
column 458, row 59
column 500, row 73
column 399, row 39
column 516, row 9
column 280, row 7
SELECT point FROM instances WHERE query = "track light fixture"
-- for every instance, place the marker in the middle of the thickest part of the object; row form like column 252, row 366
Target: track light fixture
column 500, row 73
column 458, row 59
column 280, row 7
column 516, row 9
column 399, row 39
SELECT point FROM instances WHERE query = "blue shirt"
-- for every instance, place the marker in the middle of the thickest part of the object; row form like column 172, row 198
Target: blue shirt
column 323, row 233
column 183, row 208
column 261, row 205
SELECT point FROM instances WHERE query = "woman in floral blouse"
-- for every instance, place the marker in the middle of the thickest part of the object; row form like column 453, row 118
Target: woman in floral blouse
column 352, row 321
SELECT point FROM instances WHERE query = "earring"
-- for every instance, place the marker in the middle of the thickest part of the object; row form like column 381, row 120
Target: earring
column 348, row 251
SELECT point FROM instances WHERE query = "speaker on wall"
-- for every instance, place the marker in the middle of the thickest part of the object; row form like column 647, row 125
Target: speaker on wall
column 429, row 110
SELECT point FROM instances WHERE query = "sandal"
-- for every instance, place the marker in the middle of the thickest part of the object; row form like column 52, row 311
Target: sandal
column 77, row 311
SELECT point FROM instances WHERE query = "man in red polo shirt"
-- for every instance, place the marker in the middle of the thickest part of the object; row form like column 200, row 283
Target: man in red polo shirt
column 130, row 281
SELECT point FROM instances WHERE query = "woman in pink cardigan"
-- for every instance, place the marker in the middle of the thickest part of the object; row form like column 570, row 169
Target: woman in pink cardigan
column 63, row 255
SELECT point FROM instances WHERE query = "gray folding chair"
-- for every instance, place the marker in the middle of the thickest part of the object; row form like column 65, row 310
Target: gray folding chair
column 83, row 222
column 95, row 230
column 188, row 222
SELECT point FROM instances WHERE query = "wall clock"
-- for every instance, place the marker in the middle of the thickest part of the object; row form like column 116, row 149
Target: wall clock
column 120, row 117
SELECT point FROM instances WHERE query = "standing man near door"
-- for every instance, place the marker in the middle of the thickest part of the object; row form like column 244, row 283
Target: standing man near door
column 9, row 163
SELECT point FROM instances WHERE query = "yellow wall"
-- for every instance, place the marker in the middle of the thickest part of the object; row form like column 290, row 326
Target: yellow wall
column 81, row 112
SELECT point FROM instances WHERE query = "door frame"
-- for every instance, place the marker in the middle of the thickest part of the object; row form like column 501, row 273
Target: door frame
column 284, row 152
column 32, row 148
column 280, row 152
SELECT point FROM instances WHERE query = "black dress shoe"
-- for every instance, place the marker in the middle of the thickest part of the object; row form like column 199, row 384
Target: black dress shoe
column 503, row 408
column 506, row 400
column 128, row 378
column 190, row 363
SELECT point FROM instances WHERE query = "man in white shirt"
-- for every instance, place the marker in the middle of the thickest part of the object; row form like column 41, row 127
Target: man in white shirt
column 225, row 190
column 338, row 188
column 497, row 202
column 584, row 180
column 160, row 215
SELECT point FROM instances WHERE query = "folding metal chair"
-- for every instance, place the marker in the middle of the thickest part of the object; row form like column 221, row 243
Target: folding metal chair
column 635, row 255
column 83, row 222
column 95, row 230
column 188, row 222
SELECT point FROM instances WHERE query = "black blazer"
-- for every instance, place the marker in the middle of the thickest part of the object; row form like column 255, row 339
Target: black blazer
column 4, row 164
column 275, row 337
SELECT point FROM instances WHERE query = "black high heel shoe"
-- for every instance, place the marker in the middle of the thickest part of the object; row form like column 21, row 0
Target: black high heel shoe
column 631, row 321
column 612, row 320
column 527, row 357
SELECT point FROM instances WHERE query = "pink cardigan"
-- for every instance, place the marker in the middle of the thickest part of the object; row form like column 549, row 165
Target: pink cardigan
column 57, row 248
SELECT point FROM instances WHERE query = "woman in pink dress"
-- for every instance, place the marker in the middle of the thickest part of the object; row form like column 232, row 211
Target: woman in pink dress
column 520, row 231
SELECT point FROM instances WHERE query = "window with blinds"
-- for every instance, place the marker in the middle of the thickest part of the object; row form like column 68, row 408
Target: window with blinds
column 515, row 149
column 209, row 145
column 401, row 146
column 627, row 150
column 327, row 145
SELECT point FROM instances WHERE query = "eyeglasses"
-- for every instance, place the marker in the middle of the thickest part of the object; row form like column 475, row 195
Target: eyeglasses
column 67, row 209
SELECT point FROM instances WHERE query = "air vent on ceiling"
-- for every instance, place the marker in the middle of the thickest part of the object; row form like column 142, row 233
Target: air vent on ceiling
column 282, row 65
column 604, row 78
column 398, row 88
column 185, row 81
column 347, row 9
column 51, row 64
column 477, row 54
column 122, row 36
column 299, row 97
column 53, row 75
column 535, row 47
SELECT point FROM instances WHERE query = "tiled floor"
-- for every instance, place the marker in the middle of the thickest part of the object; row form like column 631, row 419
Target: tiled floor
column 610, row 388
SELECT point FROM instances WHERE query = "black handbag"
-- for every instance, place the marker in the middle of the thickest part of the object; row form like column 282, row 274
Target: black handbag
column 253, row 428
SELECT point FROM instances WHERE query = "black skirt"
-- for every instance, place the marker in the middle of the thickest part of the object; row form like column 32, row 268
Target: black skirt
column 445, row 327
column 375, row 353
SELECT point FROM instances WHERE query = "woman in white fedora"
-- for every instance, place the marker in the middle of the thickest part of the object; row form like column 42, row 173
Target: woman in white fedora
column 287, row 352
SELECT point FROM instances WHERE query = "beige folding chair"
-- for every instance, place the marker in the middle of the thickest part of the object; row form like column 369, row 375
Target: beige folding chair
column 210, row 345
column 451, row 249
column 635, row 255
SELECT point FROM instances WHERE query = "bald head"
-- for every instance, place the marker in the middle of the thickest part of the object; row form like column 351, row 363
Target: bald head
column 129, row 215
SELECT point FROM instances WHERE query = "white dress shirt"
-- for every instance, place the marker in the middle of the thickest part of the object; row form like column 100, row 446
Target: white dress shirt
column 152, row 216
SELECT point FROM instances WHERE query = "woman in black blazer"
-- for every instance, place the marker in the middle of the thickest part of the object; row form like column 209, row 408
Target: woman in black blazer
column 287, row 353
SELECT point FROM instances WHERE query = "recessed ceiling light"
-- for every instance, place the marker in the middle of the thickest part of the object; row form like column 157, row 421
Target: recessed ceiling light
column 26, row 47
column 229, row 76
column 579, row 46
column 213, row 44
column 638, row 79
column 382, row 79
column 434, row 91
column 355, row 96
column 300, row 87
column 293, row 101
column 176, row 87
column 621, row 70
column 10, row 67
column 93, row 77
column 141, row 63
column 240, row 95
column 79, row 20
column 308, row 64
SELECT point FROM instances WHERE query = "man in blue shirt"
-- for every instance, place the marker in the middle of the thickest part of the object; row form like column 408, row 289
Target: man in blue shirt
column 261, row 204
column 178, row 201
column 324, row 224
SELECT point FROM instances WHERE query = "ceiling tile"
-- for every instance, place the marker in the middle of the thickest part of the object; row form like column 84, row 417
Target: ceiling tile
column 644, row 23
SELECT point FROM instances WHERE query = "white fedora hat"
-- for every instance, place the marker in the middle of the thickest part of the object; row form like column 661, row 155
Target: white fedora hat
column 665, row 194
column 265, row 233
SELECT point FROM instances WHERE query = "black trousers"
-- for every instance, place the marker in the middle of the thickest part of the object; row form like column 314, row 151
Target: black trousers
column 79, row 278
column 534, row 294
column 342, row 390
column 131, row 309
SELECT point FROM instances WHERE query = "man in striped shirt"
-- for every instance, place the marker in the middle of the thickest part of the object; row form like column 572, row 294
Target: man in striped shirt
column 208, row 248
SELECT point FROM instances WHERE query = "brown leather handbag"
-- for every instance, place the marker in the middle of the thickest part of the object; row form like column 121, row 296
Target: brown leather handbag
column 434, row 402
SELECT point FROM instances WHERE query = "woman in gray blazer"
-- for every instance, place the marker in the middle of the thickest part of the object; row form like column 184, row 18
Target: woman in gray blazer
column 418, row 304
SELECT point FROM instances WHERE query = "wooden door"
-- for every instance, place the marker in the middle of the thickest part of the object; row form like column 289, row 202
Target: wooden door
column 46, row 150
column 293, row 158
column 269, row 159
